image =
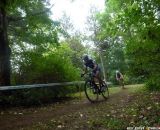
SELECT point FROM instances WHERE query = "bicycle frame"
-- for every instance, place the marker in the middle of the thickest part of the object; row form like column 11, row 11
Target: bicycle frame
column 92, row 90
column 92, row 82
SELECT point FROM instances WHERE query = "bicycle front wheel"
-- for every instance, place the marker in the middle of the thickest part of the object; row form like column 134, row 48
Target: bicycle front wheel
column 91, row 92
column 105, row 91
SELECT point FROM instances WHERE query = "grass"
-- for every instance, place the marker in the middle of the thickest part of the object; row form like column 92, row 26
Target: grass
column 133, row 106
column 114, row 90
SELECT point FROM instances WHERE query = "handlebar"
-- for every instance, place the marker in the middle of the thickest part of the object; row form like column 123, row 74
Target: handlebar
column 89, row 74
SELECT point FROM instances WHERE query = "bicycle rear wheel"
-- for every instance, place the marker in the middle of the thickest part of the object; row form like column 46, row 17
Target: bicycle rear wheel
column 91, row 92
column 105, row 91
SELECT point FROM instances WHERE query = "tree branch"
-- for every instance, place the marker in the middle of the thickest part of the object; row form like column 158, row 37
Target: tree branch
column 14, row 19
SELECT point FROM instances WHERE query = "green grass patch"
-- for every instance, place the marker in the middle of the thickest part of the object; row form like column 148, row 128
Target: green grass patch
column 114, row 90
column 136, row 88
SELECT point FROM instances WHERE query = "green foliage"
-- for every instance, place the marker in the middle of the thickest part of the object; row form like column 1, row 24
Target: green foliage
column 43, row 66
column 51, row 66
column 153, row 83
column 137, row 24
column 37, row 55
column 78, row 50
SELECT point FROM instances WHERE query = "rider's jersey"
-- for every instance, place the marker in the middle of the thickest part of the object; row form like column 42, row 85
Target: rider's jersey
column 118, row 75
column 90, row 64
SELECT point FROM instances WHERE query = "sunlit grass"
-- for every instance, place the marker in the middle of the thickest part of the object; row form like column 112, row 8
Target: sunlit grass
column 113, row 90
column 135, row 88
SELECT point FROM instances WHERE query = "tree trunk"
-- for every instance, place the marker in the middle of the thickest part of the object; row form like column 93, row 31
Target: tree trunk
column 4, row 50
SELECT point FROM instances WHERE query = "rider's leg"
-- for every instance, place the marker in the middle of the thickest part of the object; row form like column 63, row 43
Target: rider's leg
column 97, row 77
column 121, row 83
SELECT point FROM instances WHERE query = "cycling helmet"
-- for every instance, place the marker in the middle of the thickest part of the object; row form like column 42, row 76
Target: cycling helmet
column 85, row 57
column 117, row 71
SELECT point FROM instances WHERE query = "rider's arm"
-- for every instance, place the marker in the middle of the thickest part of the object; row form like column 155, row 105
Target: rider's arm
column 121, row 75
column 85, row 71
column 117, row 77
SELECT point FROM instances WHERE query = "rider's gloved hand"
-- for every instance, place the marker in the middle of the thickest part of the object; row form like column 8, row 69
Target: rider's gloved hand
column 82, row 75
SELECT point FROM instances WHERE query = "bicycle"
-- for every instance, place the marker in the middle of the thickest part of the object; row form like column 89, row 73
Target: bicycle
column 93, row 90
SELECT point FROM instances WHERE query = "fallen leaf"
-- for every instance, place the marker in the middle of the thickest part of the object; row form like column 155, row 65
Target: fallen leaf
column 157, row 103
column 144, row 118
column 59, row 126
column 141, row 116
column 81, row 115
column 2, row 113
column 149, row 108
column 132, row 122
column 15, row 113
column 121, row 115
column 113, row 111
column 108, row 115
column 20, row 113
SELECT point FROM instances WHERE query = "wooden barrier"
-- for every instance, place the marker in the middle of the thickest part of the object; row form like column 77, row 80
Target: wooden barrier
column 76, row 83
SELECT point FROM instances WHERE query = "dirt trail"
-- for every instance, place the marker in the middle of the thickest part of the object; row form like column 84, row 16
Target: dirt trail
column 70, row 112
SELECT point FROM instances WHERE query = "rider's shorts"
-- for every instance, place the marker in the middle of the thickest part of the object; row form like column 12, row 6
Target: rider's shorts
column 97, row 69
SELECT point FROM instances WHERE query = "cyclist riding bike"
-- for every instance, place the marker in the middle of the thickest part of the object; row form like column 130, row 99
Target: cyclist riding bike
column 120, row 78
column 91, row 88
column 89, row 63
